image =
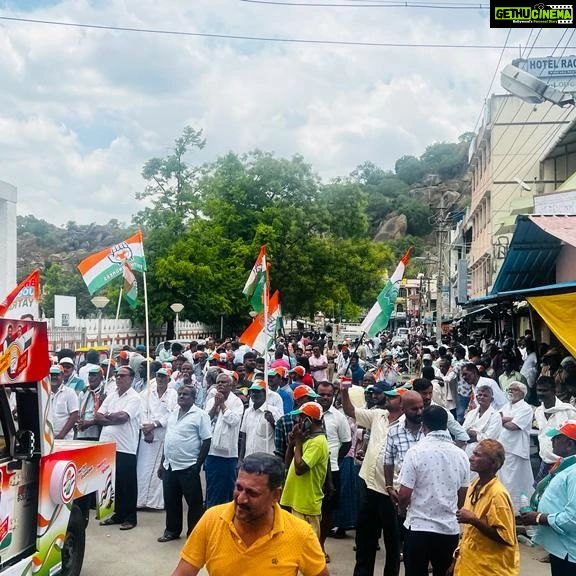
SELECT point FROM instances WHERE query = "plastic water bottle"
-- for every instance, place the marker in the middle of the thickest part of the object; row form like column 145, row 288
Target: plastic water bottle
column 525, row 507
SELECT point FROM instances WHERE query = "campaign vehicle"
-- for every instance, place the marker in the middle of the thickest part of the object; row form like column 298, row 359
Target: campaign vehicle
column 46, row 485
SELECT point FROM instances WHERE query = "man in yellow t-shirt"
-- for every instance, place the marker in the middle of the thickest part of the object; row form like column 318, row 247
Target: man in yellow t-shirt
column 489, row 545
column 308, row 456
column 252, row 534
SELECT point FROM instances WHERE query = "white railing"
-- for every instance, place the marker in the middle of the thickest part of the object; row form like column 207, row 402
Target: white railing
column 85, row 333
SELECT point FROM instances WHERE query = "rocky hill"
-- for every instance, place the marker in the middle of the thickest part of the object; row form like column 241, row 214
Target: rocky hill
column 41, row 243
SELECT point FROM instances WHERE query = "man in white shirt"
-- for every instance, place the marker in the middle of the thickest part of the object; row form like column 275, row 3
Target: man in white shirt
column 433, row 483
column 186, row 446
column 339, row 438
column 119, row 417
column 92, row 361
column 158, row 402
column 550, row 415
column 471, row 376
column 225, row 410
column 259, row 422
column 65, row 405
column 90, row 402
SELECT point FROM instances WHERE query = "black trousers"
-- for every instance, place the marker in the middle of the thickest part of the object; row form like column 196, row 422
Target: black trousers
column 561, row 566
column 126, row 488
column 376, row 514
column 422, row 548
column 178, row 484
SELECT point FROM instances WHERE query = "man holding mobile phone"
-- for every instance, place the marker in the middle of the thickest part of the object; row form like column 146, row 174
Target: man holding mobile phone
column 308, row 457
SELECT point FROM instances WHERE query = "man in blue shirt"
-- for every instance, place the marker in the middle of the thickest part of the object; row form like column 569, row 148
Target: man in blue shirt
column 186, row 445
column 555, row 503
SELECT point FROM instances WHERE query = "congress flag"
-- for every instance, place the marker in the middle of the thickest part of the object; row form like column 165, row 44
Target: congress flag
column 100, row 268
column 258, row 336
column 130, row 286
column 254, row 288
column 24, row 301
column 377, row 319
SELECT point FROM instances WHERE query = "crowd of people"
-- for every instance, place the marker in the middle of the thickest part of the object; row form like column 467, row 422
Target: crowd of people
column 324, row 437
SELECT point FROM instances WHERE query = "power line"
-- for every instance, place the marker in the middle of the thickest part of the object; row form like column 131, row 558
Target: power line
column 534, row 43
column 527, row 43
column 411, row 4
column 545, row 141
column 492, row 81
column 511, row 121
column 310, row 41
column 559, row 42
column 502, row 168
column 568, row 43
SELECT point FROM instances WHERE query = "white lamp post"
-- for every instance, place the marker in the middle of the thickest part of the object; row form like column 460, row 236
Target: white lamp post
column 177, row 308
column 99, row 302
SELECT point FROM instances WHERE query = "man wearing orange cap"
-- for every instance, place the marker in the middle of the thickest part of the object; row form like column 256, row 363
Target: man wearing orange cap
column 276, row 378
column 308, row 456
column 554, row 503
column 302, row 394
column 296, row 375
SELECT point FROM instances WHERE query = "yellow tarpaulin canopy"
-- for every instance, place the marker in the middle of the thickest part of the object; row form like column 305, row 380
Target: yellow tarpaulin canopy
column 559, row 312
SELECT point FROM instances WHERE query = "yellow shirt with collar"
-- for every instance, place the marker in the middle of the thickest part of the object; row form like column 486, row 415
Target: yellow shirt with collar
column 290, row 547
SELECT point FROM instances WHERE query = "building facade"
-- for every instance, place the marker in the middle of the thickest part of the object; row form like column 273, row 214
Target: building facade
column 504, row 166
column 8, row 201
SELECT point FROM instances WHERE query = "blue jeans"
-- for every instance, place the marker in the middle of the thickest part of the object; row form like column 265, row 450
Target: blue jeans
column 461, row 407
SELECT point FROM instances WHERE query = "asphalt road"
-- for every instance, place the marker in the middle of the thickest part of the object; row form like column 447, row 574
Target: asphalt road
column 136, row 552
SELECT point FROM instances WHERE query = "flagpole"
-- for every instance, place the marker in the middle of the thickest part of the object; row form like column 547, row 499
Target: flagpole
column 355, row 351
column 114, row 334
column 265, row 298
column 147, row 327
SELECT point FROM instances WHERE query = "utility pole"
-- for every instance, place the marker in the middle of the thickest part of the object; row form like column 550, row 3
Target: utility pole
column 440, row 218
column 439, row 279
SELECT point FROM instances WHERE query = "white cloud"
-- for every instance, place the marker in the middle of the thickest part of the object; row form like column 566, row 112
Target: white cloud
column 82, row 110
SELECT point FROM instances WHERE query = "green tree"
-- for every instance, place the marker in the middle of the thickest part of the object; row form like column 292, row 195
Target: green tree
column 410, row 169
column 172, row 187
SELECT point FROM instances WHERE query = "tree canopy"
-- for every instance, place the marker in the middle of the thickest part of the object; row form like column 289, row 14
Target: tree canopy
column 204, row 224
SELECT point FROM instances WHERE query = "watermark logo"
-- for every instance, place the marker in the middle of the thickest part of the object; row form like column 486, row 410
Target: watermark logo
column 502, row 15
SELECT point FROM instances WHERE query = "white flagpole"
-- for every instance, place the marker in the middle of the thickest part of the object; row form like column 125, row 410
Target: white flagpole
column 115, row 333
column 265, row 298
column 147, row 343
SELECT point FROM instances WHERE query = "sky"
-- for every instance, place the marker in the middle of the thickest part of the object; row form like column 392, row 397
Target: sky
column 81, row 110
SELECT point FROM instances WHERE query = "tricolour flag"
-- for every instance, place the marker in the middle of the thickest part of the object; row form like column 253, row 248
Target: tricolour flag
column 100, row 268
column 24, row 301
column 254, row 288
column 377, row 319
column 259, row 337
column 130, row 286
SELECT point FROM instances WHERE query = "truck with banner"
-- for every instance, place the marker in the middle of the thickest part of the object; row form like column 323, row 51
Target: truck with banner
column 46, row 485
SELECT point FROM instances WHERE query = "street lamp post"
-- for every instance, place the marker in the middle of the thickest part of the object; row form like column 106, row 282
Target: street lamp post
column 420, row 298
column 99, row 302
column 177, row 308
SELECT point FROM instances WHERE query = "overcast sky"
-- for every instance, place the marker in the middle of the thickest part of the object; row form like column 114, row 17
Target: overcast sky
column 81, row 110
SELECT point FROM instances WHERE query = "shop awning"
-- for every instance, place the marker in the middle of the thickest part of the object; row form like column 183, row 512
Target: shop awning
column 533, row 251
column 558, row 313
column 524, row 294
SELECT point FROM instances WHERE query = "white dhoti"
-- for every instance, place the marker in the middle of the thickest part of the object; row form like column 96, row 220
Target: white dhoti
column 518, row 479
column 150, row 493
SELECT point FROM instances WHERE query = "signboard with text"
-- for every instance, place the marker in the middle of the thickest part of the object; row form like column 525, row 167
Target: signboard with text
column 558, row 72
